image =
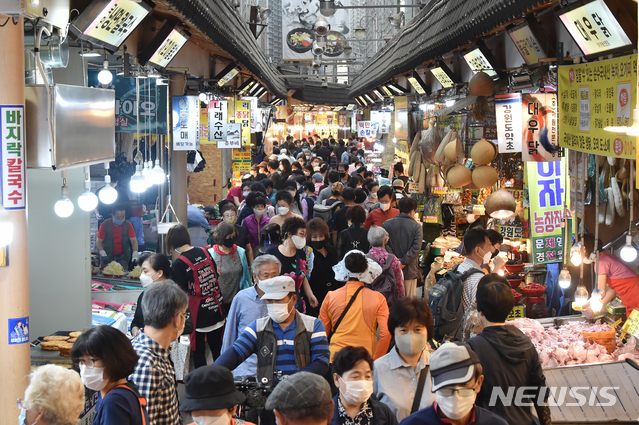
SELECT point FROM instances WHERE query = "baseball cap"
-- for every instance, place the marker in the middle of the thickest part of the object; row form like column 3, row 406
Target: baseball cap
column 210, row 388
column 452, row 364
column 277, row 287
column 299, row 391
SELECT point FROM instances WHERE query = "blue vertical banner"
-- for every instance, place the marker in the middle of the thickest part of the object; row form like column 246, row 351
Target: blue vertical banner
column 19, row 330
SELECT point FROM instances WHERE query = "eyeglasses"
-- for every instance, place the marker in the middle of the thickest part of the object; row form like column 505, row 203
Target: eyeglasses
column 230, row 217
column 90, row 362
column 22, row 404
column 463, row 392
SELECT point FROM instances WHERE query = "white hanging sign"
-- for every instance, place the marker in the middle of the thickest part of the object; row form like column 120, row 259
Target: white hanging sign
column 509, row 122
column 218, row 118
column 186, row 123
column 364, row 129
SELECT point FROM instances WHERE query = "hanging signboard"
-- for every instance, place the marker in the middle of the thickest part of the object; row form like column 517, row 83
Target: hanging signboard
column 243, row 117
column 233, row 133
column 204, row 125
column 382, row 120
column 593, row 96
column 509, row 121
column 320, row 119
column 540, row 127
column 577, row 170
column 547, row 186
column 186, row 123
column 364, row 129
column 218, row 110
column 12, row 174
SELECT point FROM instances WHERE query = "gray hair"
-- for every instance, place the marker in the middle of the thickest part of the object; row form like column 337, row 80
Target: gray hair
column 377, row 236
column 163, row 301
column 265, row 259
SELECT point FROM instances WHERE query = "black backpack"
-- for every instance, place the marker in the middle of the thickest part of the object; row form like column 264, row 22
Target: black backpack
column 445, row 302
column 385, row 283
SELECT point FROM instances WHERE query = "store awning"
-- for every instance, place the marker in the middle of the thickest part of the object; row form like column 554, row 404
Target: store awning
column 311, row 91
column 441, row 27
column 220, row 23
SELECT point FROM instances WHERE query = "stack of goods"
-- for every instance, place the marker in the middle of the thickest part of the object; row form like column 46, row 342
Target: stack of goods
column 135, row 273
column 446, row 242
column 566, row 345
column 60, row 343
column 114, row 269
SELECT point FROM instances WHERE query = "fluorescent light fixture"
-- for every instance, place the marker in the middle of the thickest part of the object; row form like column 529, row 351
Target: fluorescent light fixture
column 526, row 37
column 339, row 108
column 253, row 90
column 275, row 101
column 480, row 58
column 378, row 94
column 418, row 84
column 107, row 23
column 261, row 92
column 246, row 86
column 370, row 100
column 396, row 88
column 386, row 91
column 359, row 102
column 227, row 74
column 90, row 54
column 350, row 106
column 165, row 45
column 363, row 101
column 594, row 28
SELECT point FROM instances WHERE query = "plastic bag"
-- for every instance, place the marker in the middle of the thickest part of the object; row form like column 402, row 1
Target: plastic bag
column 431, row 139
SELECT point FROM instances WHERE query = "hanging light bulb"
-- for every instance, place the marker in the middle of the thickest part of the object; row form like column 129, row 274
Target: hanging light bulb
column 137, row 181
column 581, row 295
column 564, row 278
column 64, row 207
column 576, row 254
column 628, row 253
column 108, row 194
column 87, row 201
column 158, row 173
column 6, row 228
column 146, row 175
column 105, row 76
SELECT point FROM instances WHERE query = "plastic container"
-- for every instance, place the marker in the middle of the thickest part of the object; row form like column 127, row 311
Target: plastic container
column 515, row 283
column 532, row 293
column 536, row 308
column 514, row 268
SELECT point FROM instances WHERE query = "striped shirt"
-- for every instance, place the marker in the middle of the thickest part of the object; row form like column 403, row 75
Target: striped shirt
column 246, row 345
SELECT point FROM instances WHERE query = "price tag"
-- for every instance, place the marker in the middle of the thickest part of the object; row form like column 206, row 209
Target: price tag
column 632, row 325
column 430, row 219
column 413, row 187
column 516, row 313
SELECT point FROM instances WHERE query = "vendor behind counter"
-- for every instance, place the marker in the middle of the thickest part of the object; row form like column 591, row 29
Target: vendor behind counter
column 615, row 278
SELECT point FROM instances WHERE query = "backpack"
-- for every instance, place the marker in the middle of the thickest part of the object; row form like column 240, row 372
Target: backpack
column 385, row 283
column 325, row 212
column 445, row 302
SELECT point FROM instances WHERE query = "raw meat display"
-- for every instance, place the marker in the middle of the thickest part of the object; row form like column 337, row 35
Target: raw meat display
column 565, row 345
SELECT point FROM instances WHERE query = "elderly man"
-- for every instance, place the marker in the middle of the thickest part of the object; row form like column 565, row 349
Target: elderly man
column 164, row 307
column 302, row 399
column 247, row 306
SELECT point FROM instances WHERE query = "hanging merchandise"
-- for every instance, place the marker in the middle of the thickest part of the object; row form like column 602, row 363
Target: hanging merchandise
column 540, row 127
column 482, row 86
column 186, row 123
column 509, row 123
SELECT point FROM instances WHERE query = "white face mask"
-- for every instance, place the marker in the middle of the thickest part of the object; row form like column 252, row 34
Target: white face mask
column 384, row 207
column 258, row 212
column 357, row 392
column 411, row 343
column 282, row 210
column 302, row 195
column 92, row 377
column 278, row 312
column 245, row 194
column 374, row 195
column 225, row 419
column 455, row 407
column 292, row 192
column 487, row 256
column 299, row 241
column 146, row 280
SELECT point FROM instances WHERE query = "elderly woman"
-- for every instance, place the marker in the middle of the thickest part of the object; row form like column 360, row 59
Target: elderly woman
column 55, row 396
column 230, row 259
column 322, row 278
column 368, row 313
column 378, row 238
column 106, row 358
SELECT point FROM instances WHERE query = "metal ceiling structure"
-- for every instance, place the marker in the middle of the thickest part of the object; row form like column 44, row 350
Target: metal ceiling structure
column 311, row 90
column 440, row 28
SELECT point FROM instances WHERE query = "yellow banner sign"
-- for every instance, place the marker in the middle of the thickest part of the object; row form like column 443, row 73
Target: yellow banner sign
column 593, row 96
column 243, row 117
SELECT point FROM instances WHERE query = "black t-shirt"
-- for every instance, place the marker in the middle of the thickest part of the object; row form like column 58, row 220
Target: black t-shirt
column 242, row 236
column 209, row 312
column 324, row 153
column 339, row 219
column 289, row 264
column 323, row 277
column 353, row 238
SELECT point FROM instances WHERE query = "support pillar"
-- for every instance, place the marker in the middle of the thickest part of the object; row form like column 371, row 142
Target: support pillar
column 14, row 279
column 178, row 160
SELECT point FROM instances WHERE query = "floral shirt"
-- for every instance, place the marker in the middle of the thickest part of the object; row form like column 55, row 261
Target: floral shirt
column 364, row 417
column 381, row 254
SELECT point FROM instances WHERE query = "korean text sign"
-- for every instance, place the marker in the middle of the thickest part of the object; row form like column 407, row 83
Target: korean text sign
column 547, row 187
column 186, row 123
column 593, row 96
column 218, row 110
column 509, row 130
column 364, row 129
column 12, row 171
column 540, row 127
column 243, row 117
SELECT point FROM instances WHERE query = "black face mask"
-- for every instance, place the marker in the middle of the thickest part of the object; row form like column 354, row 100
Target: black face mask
column 229, row 242
column 317, row 244
column 495, row 253
column 342, row 175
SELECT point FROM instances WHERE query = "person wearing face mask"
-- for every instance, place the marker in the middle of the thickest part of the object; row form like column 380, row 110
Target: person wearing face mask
column 355, row 236
column 386, row 209
column 238, row 193
column 322, row 278
column 354, row 315
column 155, row 268
column 471, row 323
column 195, row 272
column 496, row 239
column 353, row 376
column 254, row 223
column 283, row 204
column 105, row 358
column 229, row 215
column 55, row 396
column 116, row 239
column 297, row 259
column 210, row 396
column 165, row 305
column 477, row 247
column 287, row 341
column 307, row 191
column 298, row 206
column 401, row 377
column 342, row 169
column 230, row 260
column 247, row 306
column 371, row 199
column 457, row 379
column 508, row 357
